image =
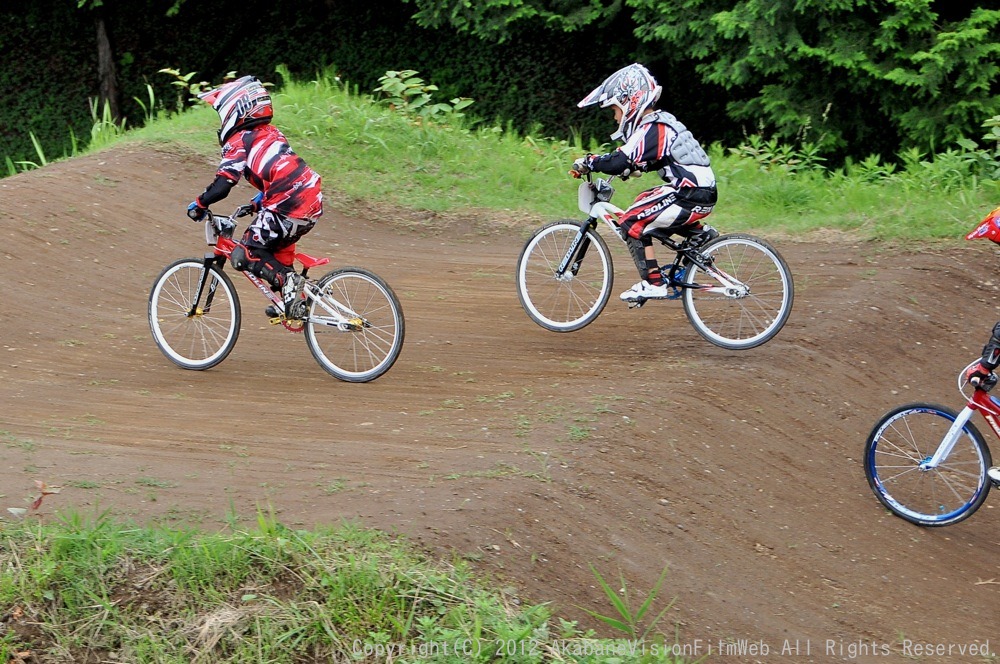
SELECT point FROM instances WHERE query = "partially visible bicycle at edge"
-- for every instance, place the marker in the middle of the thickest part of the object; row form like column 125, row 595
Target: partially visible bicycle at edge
column 353, row 324
column 928, row 463
column 736, row 289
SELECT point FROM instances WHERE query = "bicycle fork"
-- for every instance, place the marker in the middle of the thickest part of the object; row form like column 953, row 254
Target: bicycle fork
column 195, row 310
column 948, row 442
column 578, row 249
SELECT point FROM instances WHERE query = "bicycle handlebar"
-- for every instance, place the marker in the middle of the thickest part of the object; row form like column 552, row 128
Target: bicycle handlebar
column 577, row 175
column 975, row 382
column 986, row 386
column 223, row 225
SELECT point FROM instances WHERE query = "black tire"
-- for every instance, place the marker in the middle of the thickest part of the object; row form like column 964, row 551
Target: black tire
column 902, row 441
column 198, row 340
column 372, row 345
column 577, row 298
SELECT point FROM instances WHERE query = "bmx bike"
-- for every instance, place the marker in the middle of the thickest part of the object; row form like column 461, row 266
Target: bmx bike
column 927, row 463
column 736, row 289
column 353, row 324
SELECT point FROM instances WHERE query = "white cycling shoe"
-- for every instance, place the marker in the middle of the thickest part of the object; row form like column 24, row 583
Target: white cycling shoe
column 645, row 290
column 994, row 474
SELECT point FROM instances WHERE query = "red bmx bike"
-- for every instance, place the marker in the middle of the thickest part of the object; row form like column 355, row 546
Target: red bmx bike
column 353, row 324
column 927, row 463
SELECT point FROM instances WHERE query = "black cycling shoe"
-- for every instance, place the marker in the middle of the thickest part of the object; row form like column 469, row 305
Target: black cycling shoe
column 701, row 238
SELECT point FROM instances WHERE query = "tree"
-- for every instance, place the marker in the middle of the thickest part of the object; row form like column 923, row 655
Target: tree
column 855, row 76
column 107, row 75
column 856, row 70
column 494, row 19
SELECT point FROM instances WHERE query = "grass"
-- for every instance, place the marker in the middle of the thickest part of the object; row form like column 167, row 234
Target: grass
column 420, row 170
column 98, row 590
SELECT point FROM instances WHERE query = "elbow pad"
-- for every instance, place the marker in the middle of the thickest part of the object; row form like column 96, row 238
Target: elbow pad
column 613, row 163
column 991, row 351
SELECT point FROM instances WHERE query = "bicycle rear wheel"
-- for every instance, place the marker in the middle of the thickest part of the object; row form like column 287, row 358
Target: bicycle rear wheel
column 369, row 343
column 907, row 437
column 575, row 299
column 196, row 338
column 747, row 317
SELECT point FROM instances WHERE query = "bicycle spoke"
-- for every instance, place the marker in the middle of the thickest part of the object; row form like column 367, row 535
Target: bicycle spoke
column 372, row 345
column 571, row 301
column 896, row 456
column 752, row 316
column 198, row 341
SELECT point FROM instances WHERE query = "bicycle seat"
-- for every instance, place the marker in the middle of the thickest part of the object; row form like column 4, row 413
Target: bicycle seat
column 311, row 261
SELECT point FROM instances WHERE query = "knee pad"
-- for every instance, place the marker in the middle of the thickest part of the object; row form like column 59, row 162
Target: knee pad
column 239, row 258
column 272, row 271
column 261, row 263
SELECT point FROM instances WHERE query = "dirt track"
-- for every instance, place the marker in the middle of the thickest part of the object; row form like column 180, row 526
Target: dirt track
column 630, row 445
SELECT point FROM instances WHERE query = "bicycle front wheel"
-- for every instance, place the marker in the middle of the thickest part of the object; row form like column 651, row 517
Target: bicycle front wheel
column 573, row 300
column 194, row 332
column 369, row 337
column 752, row 312
column 895, row 454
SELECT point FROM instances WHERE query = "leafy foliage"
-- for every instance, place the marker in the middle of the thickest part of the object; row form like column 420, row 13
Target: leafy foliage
column 850, row 77
column 773, row 155
column 496, row 19
column 630, row 620
column 406, row 92
column 187, row 92
column 866, row 77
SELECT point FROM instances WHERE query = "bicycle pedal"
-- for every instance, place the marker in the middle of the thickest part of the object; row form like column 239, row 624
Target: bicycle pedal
column 637, row 303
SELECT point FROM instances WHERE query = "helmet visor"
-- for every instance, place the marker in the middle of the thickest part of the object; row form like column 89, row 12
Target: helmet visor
column 988, row 228
column 209, row 96
column 596, row 97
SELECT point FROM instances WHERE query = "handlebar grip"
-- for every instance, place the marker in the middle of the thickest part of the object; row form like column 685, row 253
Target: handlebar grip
column 575, row 174
column 986, row 384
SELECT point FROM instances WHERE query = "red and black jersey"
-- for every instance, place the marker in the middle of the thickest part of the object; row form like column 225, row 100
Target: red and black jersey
column 262, row 155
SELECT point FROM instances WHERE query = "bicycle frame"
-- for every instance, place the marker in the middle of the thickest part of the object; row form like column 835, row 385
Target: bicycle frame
column 218, row 234
column 593, row 199
column 979, row 401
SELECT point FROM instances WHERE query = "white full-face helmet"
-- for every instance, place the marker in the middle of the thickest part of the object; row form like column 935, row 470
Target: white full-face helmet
column 632, row 89
column 241, row 104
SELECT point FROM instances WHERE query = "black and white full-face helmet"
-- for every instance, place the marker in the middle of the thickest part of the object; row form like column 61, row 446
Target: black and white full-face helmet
column 632, row 89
